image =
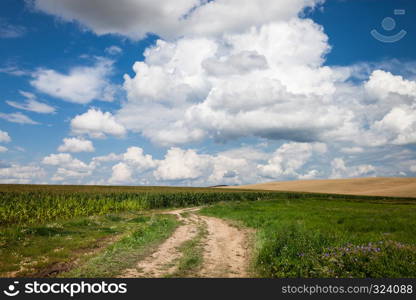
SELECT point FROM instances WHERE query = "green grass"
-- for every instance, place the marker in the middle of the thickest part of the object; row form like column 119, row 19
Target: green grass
column 129, row 250
column 52, row 248
column 328, row 238
column 192, row 255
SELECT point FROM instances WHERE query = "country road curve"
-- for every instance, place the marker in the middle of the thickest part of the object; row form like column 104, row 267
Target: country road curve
column 225, row 249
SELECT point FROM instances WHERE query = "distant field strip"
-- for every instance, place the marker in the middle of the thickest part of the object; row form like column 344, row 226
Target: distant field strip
column 31, row 204
column 387, row 187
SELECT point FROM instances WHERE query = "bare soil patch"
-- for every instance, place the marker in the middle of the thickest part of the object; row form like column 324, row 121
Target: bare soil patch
column 226, row 250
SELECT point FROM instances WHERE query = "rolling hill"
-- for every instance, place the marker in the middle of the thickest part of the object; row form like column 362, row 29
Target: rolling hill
column 377, row 186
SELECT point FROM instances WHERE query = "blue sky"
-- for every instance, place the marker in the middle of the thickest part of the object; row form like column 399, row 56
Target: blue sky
column 152, row 92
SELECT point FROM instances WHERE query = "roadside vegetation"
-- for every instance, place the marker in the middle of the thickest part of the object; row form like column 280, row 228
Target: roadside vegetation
column 93, row 231
column 55, row 248
column 328, row 238
column 192, row 255
column 111, row 262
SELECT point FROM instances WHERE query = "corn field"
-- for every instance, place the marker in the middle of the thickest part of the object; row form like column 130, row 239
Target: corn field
column 25, row 205
column 31, row 204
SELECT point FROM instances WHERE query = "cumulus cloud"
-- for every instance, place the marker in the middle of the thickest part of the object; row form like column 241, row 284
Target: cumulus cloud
column 31, row 104
column 4, row 137
column 18, row 118
column 341, row 170
column 97, row 124
column 383, row 84
column 121, row 173
column 230, row 69
column 397, row 127
column 3, row 149
column 251, row 87
column 15, row 173
column 76, row 145
column 168, row 19
column 81, row 84
column 68, row 167
column 135, row 157
column 181, row 164
column 65, row 160
column 289, row 159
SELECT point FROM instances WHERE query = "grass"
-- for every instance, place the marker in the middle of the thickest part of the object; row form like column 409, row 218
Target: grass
column 192, row 255
column 129, row 250
column 328, row 238
column 53, row 248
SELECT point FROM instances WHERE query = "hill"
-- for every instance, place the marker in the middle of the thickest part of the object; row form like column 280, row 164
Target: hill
column 377, row 186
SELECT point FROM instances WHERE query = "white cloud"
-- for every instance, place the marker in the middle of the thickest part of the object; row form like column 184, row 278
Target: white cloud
column 181, row 164
column 168, row 19
column 289, row 159
column 4, row 137
column 340, row 170
column 68, row 167
column 383, row 84
column 413, row 168
column 81, row 85
column 229, row 69
column 113, row 50
column 97, row 124
column 65, row 160
column 18, row 118
column 352, row 150
column 15, row 173
column 243, row 62
column 31, row 104
column 134, row 156
column 267, row 82
column 3, row 149
column 397, row 127
column 121, row 173
column 76, row 145
column 106, row 158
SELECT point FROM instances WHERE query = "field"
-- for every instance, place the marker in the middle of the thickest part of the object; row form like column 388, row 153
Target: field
column 327, row 238
column 92, row 231
column 389, row 187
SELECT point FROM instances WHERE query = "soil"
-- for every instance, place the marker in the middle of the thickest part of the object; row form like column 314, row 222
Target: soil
column 226, row 251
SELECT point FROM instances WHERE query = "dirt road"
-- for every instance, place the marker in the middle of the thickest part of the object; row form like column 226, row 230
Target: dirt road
column 225, row 249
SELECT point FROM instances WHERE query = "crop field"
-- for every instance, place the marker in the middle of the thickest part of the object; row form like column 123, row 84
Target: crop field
column 94, row 231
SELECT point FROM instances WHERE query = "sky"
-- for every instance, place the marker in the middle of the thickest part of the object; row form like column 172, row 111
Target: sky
column 201, row 93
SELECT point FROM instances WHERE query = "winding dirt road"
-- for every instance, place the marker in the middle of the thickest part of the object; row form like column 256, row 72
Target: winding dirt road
column 225, row 249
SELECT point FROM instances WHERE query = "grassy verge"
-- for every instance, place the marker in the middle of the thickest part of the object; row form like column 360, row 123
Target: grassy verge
column 328, row 238
column 192, row 255
column 149, row 232
column 51, row 248
column 54, row 248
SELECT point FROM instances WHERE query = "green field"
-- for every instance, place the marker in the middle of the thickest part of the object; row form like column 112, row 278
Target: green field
column 92, row 231
column 328, row 238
